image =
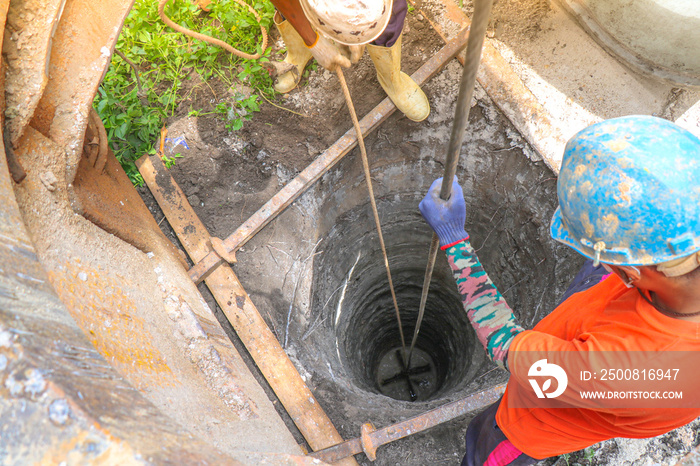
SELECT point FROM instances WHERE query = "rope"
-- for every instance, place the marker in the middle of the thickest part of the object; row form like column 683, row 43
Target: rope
column 365, row 166
column 212, row 40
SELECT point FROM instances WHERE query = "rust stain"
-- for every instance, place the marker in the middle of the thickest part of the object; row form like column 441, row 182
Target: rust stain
column 240, row 301
column 63, row 449
column 108, row 318
column 454, row 13
column 95, row 446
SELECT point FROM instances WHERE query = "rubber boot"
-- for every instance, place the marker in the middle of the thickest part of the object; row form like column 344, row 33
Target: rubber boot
column 401, row 89
column 297, row 54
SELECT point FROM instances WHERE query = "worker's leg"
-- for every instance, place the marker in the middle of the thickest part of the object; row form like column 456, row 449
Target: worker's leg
column 586, row 278
column 298, row 55
column 487, row 445
column 393, row 29
column 385, row 52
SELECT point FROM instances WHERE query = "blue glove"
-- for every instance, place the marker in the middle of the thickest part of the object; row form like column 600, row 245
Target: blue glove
column 445, row 217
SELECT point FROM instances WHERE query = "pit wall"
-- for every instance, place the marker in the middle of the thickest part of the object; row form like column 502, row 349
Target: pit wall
column 297, row 269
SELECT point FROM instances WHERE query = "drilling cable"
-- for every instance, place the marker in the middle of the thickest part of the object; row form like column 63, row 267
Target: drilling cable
column 365, row 166
column 477, row 32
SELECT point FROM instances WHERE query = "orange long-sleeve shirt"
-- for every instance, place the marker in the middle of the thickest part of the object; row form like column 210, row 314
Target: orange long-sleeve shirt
column 607, row 317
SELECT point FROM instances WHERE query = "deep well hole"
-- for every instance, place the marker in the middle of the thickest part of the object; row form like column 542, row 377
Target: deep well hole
column 338, row 325
column 365, row 325
column 510, row 201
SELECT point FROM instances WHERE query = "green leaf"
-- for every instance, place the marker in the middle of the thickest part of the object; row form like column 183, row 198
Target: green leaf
column 120, row 132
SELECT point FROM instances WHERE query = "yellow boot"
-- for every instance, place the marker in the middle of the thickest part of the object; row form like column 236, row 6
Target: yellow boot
column 401, row 89
column 297, row 54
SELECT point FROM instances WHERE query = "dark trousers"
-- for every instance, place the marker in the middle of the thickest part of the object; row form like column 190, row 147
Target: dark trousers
column 393, row 29
column 487, row 444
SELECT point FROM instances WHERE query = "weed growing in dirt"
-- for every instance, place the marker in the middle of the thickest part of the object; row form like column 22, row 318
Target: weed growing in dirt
column 170, row 161
column 241, row 109
column 164, row 59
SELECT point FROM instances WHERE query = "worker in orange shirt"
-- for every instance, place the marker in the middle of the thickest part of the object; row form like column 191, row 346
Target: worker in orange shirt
column 628, row 200
column 335, row 33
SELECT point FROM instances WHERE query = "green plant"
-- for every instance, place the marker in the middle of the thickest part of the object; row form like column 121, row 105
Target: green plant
column 238, row 111
column 170, row 161
column 165, row 60
column 566, row 457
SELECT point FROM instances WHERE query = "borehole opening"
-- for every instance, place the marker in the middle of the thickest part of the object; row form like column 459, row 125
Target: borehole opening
column 367, row 338
column 371, row 338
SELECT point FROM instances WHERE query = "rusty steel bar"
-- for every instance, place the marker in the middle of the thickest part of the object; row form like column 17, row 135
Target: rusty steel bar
column 266, row 351
column 322, row 164
column 371, row 439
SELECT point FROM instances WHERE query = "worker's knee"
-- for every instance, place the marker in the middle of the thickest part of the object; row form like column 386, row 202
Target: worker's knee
column 487, row 444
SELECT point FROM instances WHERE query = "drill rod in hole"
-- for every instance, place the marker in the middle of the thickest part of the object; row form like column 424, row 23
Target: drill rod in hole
column 368, row 180
column 482, row 12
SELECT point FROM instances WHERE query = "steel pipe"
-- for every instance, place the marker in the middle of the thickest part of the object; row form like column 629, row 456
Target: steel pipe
column 371, row 439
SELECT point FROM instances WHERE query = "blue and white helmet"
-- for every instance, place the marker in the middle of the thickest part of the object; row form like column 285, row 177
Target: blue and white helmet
column 629, row 193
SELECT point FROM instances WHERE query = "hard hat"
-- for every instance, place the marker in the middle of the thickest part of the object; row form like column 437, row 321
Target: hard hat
column 629, row 192
column 349, row 22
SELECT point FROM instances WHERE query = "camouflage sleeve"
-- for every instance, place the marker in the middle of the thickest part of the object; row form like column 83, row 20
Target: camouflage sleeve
column 488, row 312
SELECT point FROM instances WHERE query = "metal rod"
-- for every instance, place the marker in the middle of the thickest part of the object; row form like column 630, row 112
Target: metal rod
column 482, row 12
column 422, row 422
column 505, row 88
column 322, row 164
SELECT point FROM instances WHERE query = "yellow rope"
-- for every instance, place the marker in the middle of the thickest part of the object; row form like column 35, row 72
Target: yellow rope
column 211, row 40
column 365, row 166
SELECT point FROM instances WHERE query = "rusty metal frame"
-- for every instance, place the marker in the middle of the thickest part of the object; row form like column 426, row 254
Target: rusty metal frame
column 265, row 349
column 277, row 368
column 320, row 166
column 211, row 253
column 371, row 438
column 227, row 290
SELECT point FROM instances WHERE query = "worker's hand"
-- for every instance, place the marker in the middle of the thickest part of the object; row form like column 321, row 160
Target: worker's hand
column 328, row 55
column 445, row 217
column 354, row 52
